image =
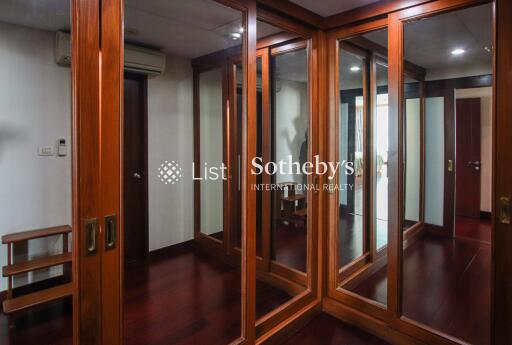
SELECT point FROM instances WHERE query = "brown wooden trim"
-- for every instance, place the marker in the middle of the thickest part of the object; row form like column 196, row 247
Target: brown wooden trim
column 292, row 324
column 280, row 314
column 395, row 171
column 112, row 90
column 502, row 233
column 86, row 192
column 284, row 22
column 372, row 11
column 266, row 208
column 287, row 48
column 432, row 8
column 354, row 266
column 249, row 197
column 290, row 9
column 366, row 322
column 289, row 273
column 449, row 154
column 276, row 39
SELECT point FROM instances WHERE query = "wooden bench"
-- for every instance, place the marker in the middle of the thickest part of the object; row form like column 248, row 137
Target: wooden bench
column 14, row 304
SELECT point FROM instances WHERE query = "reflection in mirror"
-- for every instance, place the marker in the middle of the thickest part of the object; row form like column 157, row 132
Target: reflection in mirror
column 447, row 260
column 380, row 130
column 353, row 88
column 289, row 134
column 413, row 124
column 211, row 151
column 363, row 192
column 282, row 209
column 182, row 138
column 36, row 146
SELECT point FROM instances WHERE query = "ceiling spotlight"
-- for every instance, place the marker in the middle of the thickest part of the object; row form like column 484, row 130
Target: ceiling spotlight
column 355, row 68
column 458, row 51
column 236, row 35
column 241, row 30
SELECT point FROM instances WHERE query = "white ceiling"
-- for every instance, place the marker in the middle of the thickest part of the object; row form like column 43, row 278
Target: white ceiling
column 327, row 8
column 429, row 42
column 197, row 27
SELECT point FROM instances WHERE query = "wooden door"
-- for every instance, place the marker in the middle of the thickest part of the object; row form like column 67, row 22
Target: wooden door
column 134, row 170
column 468, row 158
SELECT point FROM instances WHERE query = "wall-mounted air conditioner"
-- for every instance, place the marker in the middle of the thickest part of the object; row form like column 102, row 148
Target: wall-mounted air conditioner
column 136, row 59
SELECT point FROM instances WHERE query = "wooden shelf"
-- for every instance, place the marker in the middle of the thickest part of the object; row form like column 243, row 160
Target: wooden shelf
column 32, row 234
column 32, row 265
column 36, row 298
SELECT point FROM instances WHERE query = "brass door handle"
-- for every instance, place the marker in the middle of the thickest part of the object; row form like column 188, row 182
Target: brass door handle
column 110, row 232
column 91, row 237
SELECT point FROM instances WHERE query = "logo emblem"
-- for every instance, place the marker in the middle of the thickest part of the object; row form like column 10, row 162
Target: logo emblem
column 169, row 172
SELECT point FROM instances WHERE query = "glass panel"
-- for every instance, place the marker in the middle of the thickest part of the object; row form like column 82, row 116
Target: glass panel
column 412, row 152
column 353, row 68
column 36, row 145
column 363, row 190
column 211, row 121
column 188, row 106
column 446, row 268
column 283, row 115
column 290, row 144
column 380, row 130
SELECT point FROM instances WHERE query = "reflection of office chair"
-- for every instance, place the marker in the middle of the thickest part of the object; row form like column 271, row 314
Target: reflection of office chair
column 291, row 207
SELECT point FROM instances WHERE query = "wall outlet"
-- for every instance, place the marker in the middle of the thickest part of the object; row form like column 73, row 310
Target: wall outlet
column 45, row 151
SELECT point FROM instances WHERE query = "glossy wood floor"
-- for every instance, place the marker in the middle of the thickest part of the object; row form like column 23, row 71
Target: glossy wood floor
column 447, row 284
column 327, row 330
column 186, row 298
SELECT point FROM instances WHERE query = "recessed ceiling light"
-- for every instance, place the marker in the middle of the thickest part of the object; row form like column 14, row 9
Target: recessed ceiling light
column 458, row 51
column 241, row 30
column 236, row 35
column 355, row 68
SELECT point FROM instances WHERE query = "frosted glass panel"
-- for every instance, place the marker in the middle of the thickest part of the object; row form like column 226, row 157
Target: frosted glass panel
column 210, row 98
column 412, row 159
column 434, row 156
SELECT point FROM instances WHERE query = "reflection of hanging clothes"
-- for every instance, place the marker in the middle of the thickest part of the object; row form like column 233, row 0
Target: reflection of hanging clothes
column 303, row 157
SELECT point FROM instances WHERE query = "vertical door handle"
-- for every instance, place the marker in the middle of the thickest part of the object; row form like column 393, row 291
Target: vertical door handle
column 504, row 210
column 110, row 232
column 91, row 237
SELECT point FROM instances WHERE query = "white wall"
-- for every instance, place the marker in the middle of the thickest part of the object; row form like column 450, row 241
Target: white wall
column 434, row 160
column 211, row 148
column 170, row 137
column 35, row 111
column 412, row 159
column 291, row 123
column 485, row 95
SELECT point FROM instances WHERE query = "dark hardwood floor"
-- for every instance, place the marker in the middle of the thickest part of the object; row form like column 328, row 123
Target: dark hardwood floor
column 476, row 229
column 447, row 285
column 327, row 330
column 48, row 324
column 291, row 245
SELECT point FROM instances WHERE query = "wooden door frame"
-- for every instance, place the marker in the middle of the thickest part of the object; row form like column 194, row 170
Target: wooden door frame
column 86, row 191
column 291, row 315
column 334, row 293
column 143, row 80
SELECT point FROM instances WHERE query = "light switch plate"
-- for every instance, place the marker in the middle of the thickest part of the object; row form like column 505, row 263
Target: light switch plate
column 45, row 151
